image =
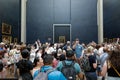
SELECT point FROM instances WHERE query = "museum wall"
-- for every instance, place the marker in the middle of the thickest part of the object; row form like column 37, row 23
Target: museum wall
column 10, row 18
column 81, row 14
column 42, row 14
column 111, row 19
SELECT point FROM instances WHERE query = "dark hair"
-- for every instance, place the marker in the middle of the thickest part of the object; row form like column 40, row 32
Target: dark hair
column 25, row 53
column 1, row 66
column 23, row 66
column 69, row 53
column 36, row 60
column 47, row 59
column 34, row 45
column 115, row 59
column 62, row 57
column 76, row 39
column 54, row 54
column 51, row 44
column 97, row 46
column 28, row 47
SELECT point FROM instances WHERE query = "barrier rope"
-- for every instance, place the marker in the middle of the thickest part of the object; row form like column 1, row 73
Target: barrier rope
column 115, row 70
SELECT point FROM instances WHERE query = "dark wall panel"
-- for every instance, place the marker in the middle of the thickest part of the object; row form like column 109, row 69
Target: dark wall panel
column 61, row 11
column 42, row 14
column 10, row 14
column 39, row 20
column 84, row 20
column 111, row 18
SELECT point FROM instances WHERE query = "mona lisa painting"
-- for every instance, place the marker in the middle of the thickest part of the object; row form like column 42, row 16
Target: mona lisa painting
column 61, row 39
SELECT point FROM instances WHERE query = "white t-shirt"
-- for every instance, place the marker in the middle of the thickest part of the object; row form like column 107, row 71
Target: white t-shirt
column 50, row 50
column 32, row 56
column 38, row 55
column 100, row 51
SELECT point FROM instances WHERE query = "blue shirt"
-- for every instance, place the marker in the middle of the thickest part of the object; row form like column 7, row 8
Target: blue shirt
column 55, row 75
column 76, row 66
column 78, row 50
column 1, row 49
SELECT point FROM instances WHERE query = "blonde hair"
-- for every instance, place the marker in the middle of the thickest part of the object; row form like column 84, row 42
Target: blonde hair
column 89, row 50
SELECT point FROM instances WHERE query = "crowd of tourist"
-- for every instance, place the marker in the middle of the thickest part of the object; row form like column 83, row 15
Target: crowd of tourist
column 62, row 61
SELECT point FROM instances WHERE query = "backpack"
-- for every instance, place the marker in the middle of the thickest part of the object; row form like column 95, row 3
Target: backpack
column 69, row 71
column 85, row 63
column 43, row 75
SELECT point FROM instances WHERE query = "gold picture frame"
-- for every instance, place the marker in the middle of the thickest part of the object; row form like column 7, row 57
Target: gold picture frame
column 6, row 28
column 61, row 39
column 6, row 39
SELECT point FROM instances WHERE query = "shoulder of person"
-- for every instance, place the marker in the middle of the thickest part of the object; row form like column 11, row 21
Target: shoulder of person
column 76, row 64
column 55, row 73
column 60, row 62
column 36, row 73
column 30, row 62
